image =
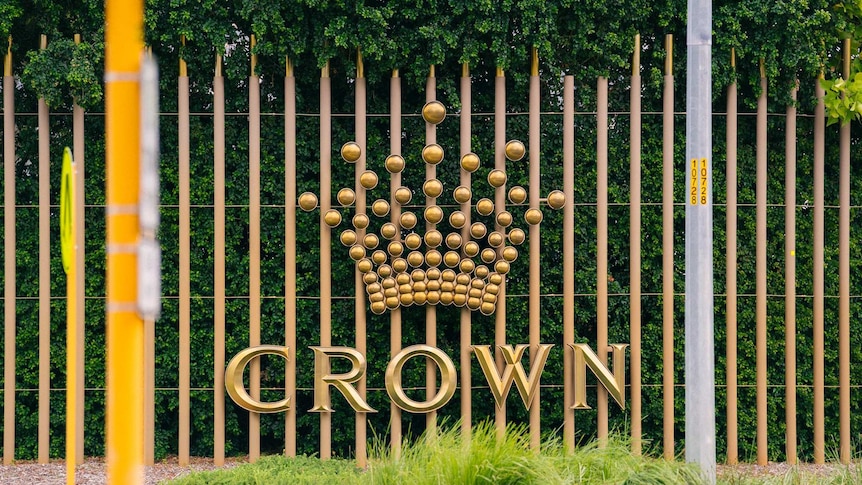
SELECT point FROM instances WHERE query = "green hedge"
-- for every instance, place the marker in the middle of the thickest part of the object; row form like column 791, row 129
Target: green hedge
column 585, row 39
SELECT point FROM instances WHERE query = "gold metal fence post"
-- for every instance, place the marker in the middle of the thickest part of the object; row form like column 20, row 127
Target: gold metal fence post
column 635, row 248
column 761, row 269
column 500, row 164
column 667, row 254
column 185, row 264
column 44, row 276
column 730, row 269
column 790, row 278
column 290, row 255
column 844, row 280
column 568, row 261
column 394, row 184
column 430, row 310
column 125, row 329
column 465, row 317
column 325, row 242
column 360, row 312
column 535, row 242
column 254, row 249
column 9, row 239
column 80, row 250
column 602, row 250
column 819, row 273
column 220, row 274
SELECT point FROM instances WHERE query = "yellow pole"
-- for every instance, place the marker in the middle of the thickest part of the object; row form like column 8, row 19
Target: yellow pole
column 125, row 329
column 67, row 247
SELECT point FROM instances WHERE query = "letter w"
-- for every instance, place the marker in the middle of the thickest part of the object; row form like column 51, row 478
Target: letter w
column 513, row 371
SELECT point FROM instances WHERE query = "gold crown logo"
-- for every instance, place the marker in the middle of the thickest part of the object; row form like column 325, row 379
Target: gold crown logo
column 408, row 272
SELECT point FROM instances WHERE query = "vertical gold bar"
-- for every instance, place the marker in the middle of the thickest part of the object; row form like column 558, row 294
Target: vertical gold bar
column 185, row 267
column 430, row 310
column 44, row 276
column 602, row 250
column 667, row 255
column 635, row 249
column 790, row 279
column 730, row 273
column 9, row 260
column 394, row 183
column 817, row 254
column 360, row 312
column 150, row 375
column 254, row 251
column 325, row 242
column 500, row 163
column 290, row 256
column 465, row 317
column 80, row 248
column 535, row 245
column 844, row 280
column 568, row 260
column 761, row 269
column 219, row 215
column 124, row 328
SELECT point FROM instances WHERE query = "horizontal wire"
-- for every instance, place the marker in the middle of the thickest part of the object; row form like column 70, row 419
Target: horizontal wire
column 417, row 115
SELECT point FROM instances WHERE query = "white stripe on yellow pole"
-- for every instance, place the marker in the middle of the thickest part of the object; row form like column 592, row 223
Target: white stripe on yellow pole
column 125, row 329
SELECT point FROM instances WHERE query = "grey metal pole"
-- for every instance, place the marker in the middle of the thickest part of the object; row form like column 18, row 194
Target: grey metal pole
column 699, row 313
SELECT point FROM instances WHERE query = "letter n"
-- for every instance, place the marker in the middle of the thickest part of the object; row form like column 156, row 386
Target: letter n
column 615, row 382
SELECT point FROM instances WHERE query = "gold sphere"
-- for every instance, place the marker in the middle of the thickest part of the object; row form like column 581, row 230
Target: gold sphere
column 388, row 283
column 432, row 273
column 348, row 238
column 470, row 162
column 433, row 214
column 433, row 112
column 433, row 238
column 515, row 150
column 351, row 152
column 495, row 278
column 408, row 220
column 371, row 241
column 392, row 302
column 496, row 239
column 413, row 240
column 517, row 194
column 433, row 258
column 378, row 257
column 378, row 307
column 489, row 297
column 448, row 275
column 433, row 297
column 462, row 194
column 461, row 290
column 395, row 248
column 487, row 308
column 446, row 297
column 510, row 253
column 390, row 292
column 364, row 265
column 533, row 216
column 420, row 297
column 451, row 259
column 415, row 259
column 488, row 255
column 484, row 206
column 403, row 195
column 380, row 207
column 373, row 288
column 394, row 163
column 417, row 275
column 453, row 240
column 556, row 200
column 496, row 178
column 432, row 188
column 463, row 279
column 332, row 217
column 357, row 252
column 474, row 293
column 517, row 236
column 388, row 230
column 369, row 278
column 403, row 279
column 492, row 288
column 307, row 201
column 467, row 266
column 447, row 286
column 406, row 299
column 473, row 303
column 478, row 230
column 360, row 221
column 481, row 271
column 457, row 219
column 346, row 197
column 471, row 248
column 399, row 265
column 432, row 154
column 385, row 271
column 459, row 299
column 504, row 219
column 368, row 179
column 501, row 267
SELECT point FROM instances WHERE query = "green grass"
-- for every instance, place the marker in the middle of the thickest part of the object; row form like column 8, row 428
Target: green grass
column 447, row 459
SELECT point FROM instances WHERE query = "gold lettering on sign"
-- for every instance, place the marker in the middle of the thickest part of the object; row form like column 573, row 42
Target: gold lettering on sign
column 323, row 379
column 513, row 371
column 448, row 379
column 614, row 382
column 235, row 387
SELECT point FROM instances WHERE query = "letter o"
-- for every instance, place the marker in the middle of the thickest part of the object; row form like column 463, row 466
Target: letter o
column 447, row 384
column 235, row 387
